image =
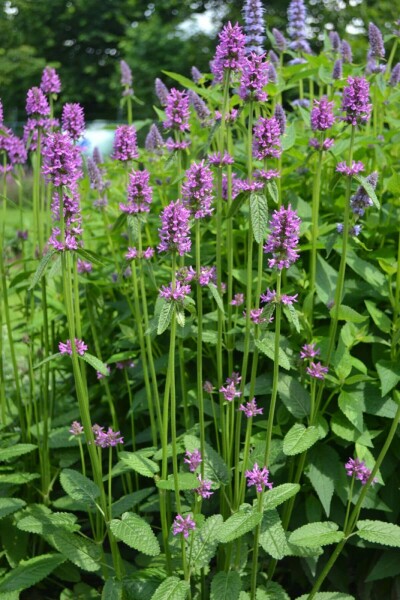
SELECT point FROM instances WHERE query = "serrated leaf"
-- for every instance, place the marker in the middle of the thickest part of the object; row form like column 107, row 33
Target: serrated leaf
column 205, row 542
column 294, row 396
column 165, row 317
column 112, row 590
column 236, row 204
column 40, row 271
column 180, row 317
column 215, row 294
column 272, row 535
column 10, row 505
column 239, row 524
column 273, row 191
column 299, row 438
column 14, row 451
column 292, row 316
column 266, row 346
column 348, row 314
column 226, row 586
column 316, row 534
column 39, row 519
column 278, row 495
column 96, row 363
column 214, row 466
column 81, row 551
column 186, row 481
column 136, row 533
column 369, row 189
column 350, row 407
column 139, row 463
column 78, row 487
column 388, row 565
column 273, row 591
column 127, row 502
column 389, row 375
column 380, row 319
column 29, row 572
column 259, row 216
column 323, row 466
column 379, row 532
column 171, row 589
column 328, row 596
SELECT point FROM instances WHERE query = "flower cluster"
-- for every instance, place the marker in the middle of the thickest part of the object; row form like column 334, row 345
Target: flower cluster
column 230, row 391
column 238, row 300
column 254, row 78
column 126, row 78
column 183, row 525
column 356, row 167
column 266, row 141
column 376, row 47
column 297, row 16
column 134, row 253
column 197, row 190
column 230, row 51
column 355, row 101
column 154, row 141
column 61, row 160
column 66, row 347
column 84, row 266
column 200, row 107
column 106, row 439
column 280, row 40
column 14, row 151
column 358, row 469
column 72, row 221
column 176, row 292
column 219, row 160
column 254, row 26
column 322, row 117
column 32, row 127
column 270, row 296
column 317, row 370
column 324, row 145
column 309, row 351
column 73, row 120
column 193, row 459
column 139, row 193
column 36, row 103
column 161, row 91
column 174, row 231
column 283, row 240
column 259, row 478
column 256, row 316
column 204, row 489
column 250, row 409
column 50, row 82
column 125, row 143
column 174, row 145
column 177, row 111
column 76, row 428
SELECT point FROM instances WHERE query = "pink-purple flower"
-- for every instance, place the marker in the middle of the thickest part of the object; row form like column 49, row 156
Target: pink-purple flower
column 107, row 439
column 66, row 347
column 62, row 160
column 238, row 300
column 358, row 469
column 254, row 78
column 197, row 190
column 193, row 459
column 250, row 409
column 125, row 143
column 259, row 478
column 183, row 525
column 322, row 117
column 317, row 370
column 355, row 168
column 309, row 351
column 76, row 428
column 204, row 489
column 254, row 25
column 283, row 240
column 177, row 111
column 73, row 120
column 175, row 292
column 266, row 140
column 174, row 231
column 355, row 101
column 139, row 193
column 50, row 82
column 36, row 103
column 230, row 51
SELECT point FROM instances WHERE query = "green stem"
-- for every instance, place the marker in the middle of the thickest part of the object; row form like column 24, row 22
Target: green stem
column 314, row 230
column 199, row 350
column 254, row 570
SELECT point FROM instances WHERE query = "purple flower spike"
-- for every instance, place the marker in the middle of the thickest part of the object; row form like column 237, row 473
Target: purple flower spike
column 72, row 221
column 267, row 141
column 250, row 409
column 376, row 47
column 200, row 107
column 230, row 391
column 154, row 141
column 196, row 75
column 50, row 82
column 177, row 111
column 66, row 347
column 174, row 231
column 322, row 114
column 280, row 116
column 126, row 78
column 193, row 459
column 309, row 351
column 36, row 103
column 230, row 51
column 346, row 52
column 107, row 439
column 356, row 167
column 254, row 26
column 1, row 114
column 297, row 16
column 280, row 40
column 395, row 76
column 254, row 78
column 197, row 190
column 125, row 144
column 204, row 489
column 259, row 478
column 183, row 525
column 335, row 40
column 139, row 193
column 283, row 240
column 358, row 469
column 61, row 160
column 73, row 120
column 355, row 101
column 317, row 370
column 337, row 71
column 176, row 292
column 161, row 91
column 76, row 428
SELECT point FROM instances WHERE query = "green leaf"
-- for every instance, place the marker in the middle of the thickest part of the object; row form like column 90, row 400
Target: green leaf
column 180, row 316
column 81, row 551
column 379, row 532
column 139, row 463
column 273, row 191
column 346, row 313
column 226, row 586
column 369, row 189
column 165, row 317
column 323, row 471
column 316, row 534
column 40, row 271
column 292, row 316
column 10, row 505
column 259, row 216
column 236, row 204
column 272, row 535
column 278, row 495
column 129, row 501
column 266, row 346
column 299, row 438
column 214, row 467
column 389, row 374
column 136, row 533
column 205, row 542
column 29, row 572
column 381, row 320
column 294, row 396
column 238, row 524
column 14, row 451
column 350, row 407
column 186, row 481
column 47, row 359
column 273, row 591
column 289, row 137
column 112, row 590
column 388, row 565
column 96, row 363
column 215, row 294
column 326, row 279
column 171, row 589
column 78, row 487
column 41, row 520
column 368, row 272
column 328, row 596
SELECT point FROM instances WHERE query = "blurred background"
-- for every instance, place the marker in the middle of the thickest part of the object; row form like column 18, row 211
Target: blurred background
column 85, row 40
